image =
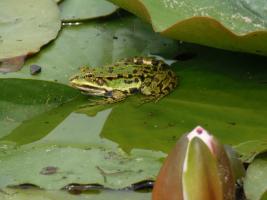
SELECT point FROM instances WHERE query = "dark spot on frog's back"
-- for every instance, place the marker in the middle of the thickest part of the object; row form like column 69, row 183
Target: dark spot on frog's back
column 127, row 81
column 168, row 88
column 134, row 90
column 130, row 76
column 155, row 62
column 155, row 68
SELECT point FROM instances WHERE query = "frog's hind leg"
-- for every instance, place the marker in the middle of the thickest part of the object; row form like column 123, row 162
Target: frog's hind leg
column 154, row 89
column 167, row 89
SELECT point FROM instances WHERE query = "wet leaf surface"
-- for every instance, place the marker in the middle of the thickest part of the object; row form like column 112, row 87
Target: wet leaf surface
column 26, row 26
column 78, row 10
column 255, row 183
column 232, row 25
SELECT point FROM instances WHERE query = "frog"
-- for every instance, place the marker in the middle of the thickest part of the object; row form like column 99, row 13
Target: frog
column 149, row 76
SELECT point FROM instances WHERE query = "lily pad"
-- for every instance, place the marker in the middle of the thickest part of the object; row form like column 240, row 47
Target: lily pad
column 26, row 26
column 77, row 10
column 48, row 167
column 63, row 158
column 11, row 194
column 94, row 44
column 255, row 184
column 232, row 25
column 250, row 149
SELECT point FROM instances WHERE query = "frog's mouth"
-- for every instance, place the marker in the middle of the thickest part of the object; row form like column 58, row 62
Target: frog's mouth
column 89, row 89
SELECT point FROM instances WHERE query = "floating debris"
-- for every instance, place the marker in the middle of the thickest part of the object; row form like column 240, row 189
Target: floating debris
column 35, row 69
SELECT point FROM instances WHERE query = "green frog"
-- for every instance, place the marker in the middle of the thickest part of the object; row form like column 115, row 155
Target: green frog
column 146, row 75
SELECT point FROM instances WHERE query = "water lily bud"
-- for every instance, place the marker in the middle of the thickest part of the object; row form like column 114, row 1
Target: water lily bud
column 196, row 169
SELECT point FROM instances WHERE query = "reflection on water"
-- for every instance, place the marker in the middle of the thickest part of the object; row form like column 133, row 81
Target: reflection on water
column 80, row 129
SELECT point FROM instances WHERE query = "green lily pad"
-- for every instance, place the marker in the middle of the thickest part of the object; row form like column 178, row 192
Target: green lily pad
column 48, row 167
column 76, row 154
column 232, row 25
column 26, row 26
column 250, row 149
column 77, row 10
column 255, row 184
column 95, row 44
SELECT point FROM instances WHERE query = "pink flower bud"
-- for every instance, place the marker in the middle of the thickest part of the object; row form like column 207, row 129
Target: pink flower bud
column 196, row 169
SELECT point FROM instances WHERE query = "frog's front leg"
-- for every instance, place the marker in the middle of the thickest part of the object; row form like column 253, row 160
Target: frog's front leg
column 111, row 97
column 115, row 96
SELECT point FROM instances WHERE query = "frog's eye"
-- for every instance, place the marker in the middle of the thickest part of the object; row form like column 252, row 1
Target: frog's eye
column 88, row 74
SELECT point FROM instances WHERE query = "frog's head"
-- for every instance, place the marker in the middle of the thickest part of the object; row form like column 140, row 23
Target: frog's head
column 90, row 84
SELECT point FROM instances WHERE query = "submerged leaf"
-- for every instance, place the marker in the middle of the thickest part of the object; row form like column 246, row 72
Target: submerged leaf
column 11, row 64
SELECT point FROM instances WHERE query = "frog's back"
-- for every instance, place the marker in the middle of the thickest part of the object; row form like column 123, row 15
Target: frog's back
column 129, row 67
